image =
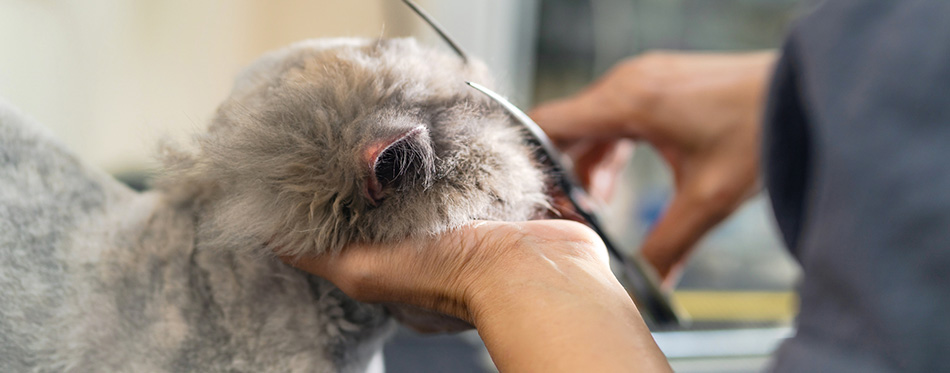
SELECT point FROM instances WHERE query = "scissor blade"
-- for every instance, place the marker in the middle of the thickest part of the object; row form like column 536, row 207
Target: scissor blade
column 546, row 145
column 438, row 29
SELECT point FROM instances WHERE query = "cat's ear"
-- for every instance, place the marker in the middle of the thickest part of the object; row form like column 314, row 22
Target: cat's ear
column 397, row 162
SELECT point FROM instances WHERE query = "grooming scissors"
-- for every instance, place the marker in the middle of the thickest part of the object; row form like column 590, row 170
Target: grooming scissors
column 638, row 277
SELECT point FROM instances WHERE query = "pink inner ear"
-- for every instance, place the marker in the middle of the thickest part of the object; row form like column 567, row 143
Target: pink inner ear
column 374, row 190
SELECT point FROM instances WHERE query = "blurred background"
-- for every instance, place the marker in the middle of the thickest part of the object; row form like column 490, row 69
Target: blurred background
column 110, row 77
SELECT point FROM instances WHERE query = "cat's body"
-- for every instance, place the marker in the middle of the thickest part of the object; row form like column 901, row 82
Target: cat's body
column 98, row 278
column 322, row 143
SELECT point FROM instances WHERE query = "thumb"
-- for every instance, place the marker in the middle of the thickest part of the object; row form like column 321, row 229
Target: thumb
column 683, row 224
column 591, row 113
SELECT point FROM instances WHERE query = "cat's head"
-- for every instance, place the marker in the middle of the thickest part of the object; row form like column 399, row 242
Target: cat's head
column 335, row 140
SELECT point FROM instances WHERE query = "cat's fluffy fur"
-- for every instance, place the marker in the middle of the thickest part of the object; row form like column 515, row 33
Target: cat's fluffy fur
column 283, row 156
column 322, row 143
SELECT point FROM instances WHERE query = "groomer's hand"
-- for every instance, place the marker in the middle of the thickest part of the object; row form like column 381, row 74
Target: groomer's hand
column 540, row 292
column 701, row 112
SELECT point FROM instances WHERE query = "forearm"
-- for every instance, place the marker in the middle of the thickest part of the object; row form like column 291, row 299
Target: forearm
column 576, row 319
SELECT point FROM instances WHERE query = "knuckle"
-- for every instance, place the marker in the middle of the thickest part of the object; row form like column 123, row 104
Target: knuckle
column 649, row 90
column 646, row 78
column 716, row 202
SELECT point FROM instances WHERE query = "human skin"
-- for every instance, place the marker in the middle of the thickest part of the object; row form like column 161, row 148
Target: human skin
column 701, row 111
column 541, row 293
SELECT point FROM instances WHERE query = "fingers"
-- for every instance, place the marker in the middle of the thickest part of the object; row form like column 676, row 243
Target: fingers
column 684, row 223
column 359, row 270
column 460, row 272
column 697, row 110
column 429, row 272
column 392, row 275
column 591, row 113
column 600, row 165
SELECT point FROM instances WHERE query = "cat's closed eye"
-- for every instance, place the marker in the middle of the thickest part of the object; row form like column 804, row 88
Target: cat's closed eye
column 399, row 163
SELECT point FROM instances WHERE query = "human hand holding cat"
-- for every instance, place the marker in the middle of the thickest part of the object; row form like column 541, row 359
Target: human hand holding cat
column 540, row 292
column 701, row 112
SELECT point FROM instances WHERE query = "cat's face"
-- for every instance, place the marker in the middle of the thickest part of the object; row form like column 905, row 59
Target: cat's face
column 337, row 140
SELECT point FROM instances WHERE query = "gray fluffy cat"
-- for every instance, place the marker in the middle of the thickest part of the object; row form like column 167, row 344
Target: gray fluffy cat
column 320, row 144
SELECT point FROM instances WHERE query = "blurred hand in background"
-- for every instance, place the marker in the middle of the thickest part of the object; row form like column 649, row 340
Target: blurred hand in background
column 701, row 111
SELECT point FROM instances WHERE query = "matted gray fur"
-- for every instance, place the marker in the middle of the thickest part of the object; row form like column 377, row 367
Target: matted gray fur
column 320, row 144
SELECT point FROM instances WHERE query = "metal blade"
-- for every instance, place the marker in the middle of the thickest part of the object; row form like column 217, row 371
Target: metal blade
column 438, row 29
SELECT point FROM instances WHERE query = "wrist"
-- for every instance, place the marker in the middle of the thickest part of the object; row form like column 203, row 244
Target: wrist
column 546, row 287
column 534, row 257
column 555, row 306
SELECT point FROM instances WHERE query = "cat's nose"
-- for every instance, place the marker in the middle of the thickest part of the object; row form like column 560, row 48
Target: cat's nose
column 399, row 163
